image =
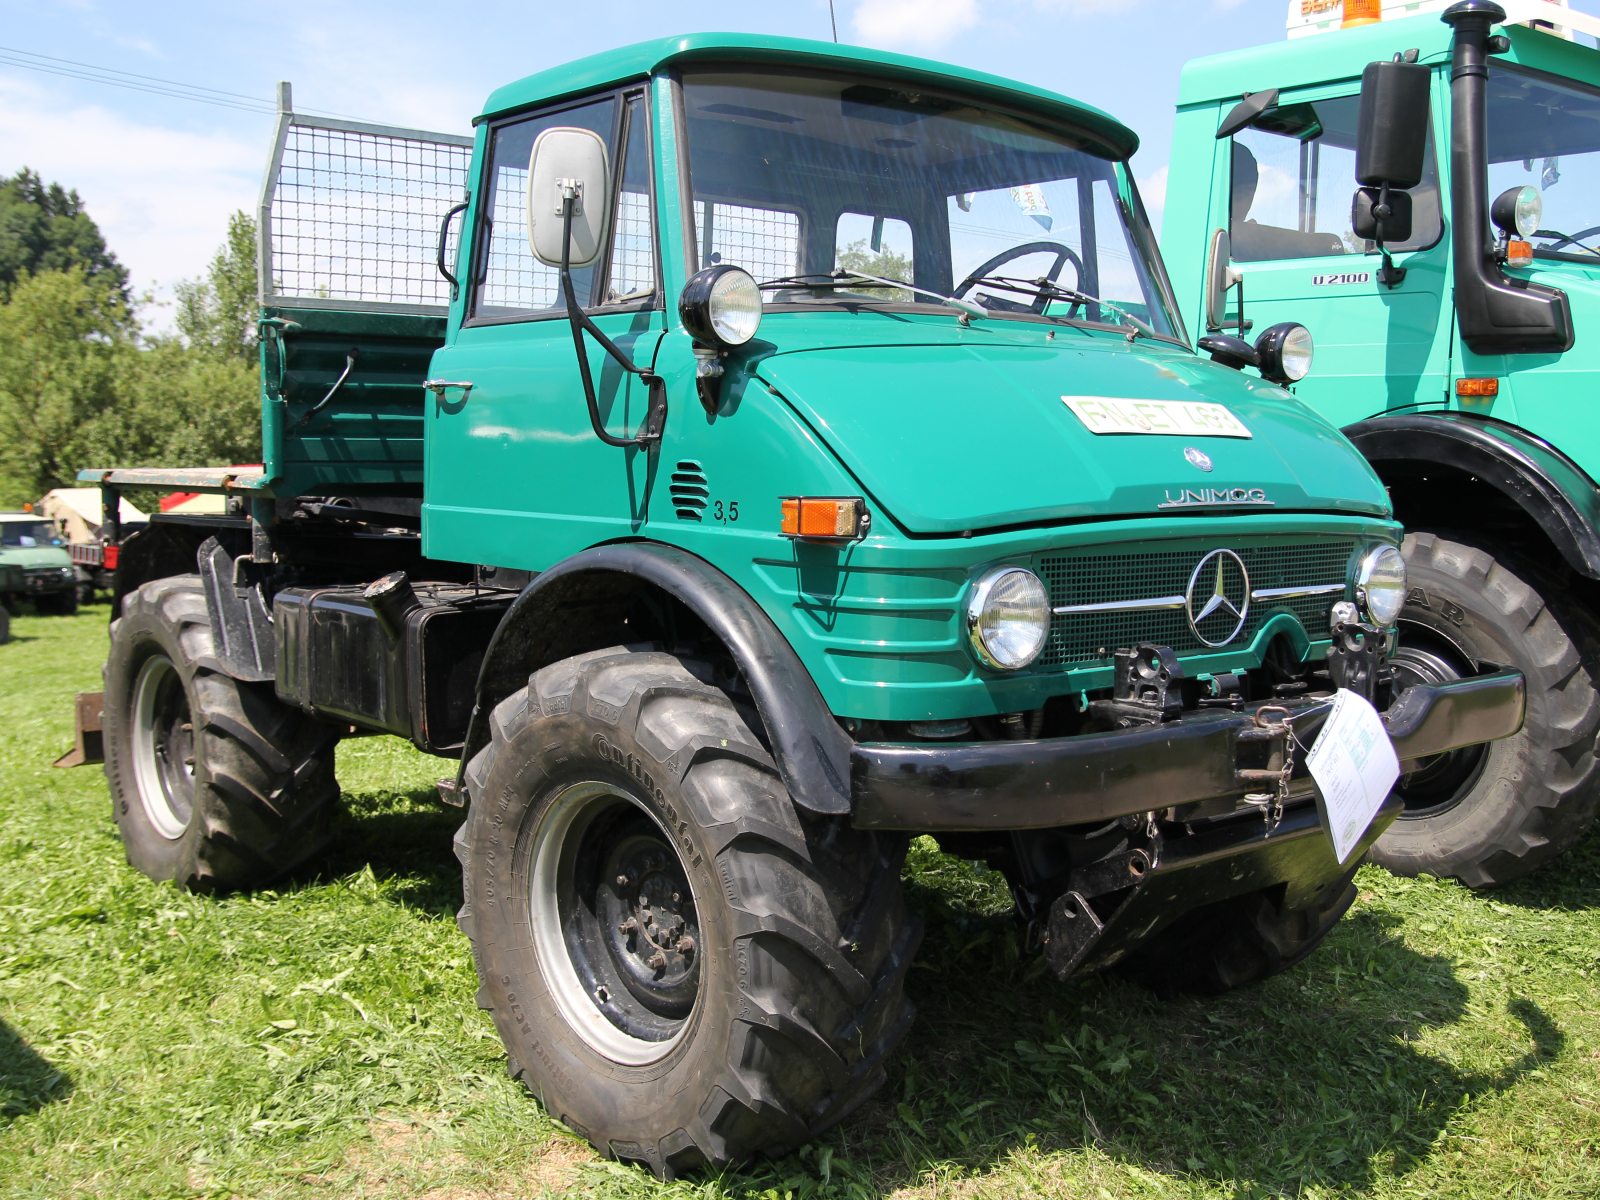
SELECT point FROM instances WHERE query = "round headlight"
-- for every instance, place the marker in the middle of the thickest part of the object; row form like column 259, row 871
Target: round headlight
column 1381, row 585
column 1285, row 352
column 1518, row 210
column 1008, row 618
column 721, row 305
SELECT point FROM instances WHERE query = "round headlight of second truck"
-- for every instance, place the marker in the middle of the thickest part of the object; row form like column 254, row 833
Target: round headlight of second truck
column 1008, row 618
column 1381, row 585
column 1285, row 352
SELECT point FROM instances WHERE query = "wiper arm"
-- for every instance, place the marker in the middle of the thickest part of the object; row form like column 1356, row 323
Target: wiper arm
column 1046, row 287
column 843, row 279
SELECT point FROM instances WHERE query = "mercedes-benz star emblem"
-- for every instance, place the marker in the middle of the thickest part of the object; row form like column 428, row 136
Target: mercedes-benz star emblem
column 1197, row 457
column 1218, row 599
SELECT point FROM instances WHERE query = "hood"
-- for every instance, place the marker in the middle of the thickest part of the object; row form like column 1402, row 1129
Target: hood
column 972, row 432
column 29, row 557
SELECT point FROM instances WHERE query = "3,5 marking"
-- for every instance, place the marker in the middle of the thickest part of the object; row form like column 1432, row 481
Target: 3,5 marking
column 725, row 514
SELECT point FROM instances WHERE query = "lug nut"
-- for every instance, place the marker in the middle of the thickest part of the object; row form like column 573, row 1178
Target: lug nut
column 623, row 881
column 649, row 917
column 629, row 927
column 657, row 961
column 676, row 897
column 685, row 945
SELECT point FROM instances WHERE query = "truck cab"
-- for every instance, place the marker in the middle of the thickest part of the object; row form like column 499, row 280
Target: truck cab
column 40, row 568
column 1452, row 356
column 743, row 454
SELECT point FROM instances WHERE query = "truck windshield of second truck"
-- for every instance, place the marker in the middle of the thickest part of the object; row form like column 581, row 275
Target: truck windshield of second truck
column 799, row 175
column 1547, row 134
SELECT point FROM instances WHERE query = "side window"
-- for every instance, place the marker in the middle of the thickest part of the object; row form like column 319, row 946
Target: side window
column 764, row 241
column 1294, row 173
column 632, row 274
column 510, row 281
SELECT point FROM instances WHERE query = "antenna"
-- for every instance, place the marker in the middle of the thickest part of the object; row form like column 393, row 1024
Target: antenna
column 833, row 21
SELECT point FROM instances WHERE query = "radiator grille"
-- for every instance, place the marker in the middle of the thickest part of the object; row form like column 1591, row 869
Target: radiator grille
column 1098, row 578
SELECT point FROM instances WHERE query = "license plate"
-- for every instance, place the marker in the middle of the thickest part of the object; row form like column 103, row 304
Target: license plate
column 1173, row 418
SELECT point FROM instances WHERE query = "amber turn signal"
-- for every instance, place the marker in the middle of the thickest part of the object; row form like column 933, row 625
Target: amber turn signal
column 1519, row 254
column 1477, row 387
column 1361, row 12
column 823, row 517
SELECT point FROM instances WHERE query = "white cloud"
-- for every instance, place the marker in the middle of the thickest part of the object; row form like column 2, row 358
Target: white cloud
column 160, row 196
column 919, row 23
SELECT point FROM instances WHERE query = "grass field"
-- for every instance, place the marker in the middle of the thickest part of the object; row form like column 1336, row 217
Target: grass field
column 321, row 1039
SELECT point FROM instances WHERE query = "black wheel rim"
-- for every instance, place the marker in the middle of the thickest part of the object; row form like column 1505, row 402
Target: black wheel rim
column 1440, row 782
column 614, row 923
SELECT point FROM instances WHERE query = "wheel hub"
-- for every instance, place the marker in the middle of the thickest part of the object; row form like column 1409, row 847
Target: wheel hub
column 1440, row 781
column 649, row 916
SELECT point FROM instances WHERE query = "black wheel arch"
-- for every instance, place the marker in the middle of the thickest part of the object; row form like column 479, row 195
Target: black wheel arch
column 568, row 609
column 1469, row 471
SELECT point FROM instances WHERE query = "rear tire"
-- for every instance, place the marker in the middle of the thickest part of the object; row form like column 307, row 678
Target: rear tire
column 1490, row 814
column 618, row 778
column 215, row 784
column 5, row 625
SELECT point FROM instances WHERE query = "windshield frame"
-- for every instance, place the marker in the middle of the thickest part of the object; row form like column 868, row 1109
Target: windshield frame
column 1129, row 205
column 1566, row 81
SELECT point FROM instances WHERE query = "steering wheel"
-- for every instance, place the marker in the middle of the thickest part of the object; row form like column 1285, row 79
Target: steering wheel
column 1567, row 238
column 1062, row 254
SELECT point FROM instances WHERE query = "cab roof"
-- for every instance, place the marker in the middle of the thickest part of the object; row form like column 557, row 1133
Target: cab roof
column 642, row 59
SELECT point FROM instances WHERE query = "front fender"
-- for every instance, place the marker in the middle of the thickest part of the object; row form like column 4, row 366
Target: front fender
column 1553, row 490
column 548, row 622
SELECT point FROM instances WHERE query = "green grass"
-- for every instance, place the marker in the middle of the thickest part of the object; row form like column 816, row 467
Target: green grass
column 322, row 1039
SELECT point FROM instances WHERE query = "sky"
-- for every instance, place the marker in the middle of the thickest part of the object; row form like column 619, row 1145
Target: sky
column 161, row 175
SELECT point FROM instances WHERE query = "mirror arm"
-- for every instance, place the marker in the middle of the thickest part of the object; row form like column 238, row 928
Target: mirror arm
column 656, row 411
column 1389, row 275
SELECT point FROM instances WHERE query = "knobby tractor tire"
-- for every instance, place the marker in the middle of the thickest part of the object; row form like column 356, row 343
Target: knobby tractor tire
column 1236, row 942
column 215, row 784
column 623, row 812
column 1487, row 815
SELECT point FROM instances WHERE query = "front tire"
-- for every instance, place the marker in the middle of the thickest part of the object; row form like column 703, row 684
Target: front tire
column 683, row 966
column 1493, row 813
column 215, row 784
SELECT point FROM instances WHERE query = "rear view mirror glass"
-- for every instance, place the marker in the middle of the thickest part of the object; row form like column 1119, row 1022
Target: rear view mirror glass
column 1392, row 130
column 1220, row 276
column 566, row 158
column 1364, row 222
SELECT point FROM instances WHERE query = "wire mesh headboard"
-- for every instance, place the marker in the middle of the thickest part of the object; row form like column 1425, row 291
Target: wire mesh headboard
column 350, row 215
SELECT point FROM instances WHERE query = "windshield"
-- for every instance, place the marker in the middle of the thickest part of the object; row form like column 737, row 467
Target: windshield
column 23, row 534
column 1547, row 133
column 802, row 176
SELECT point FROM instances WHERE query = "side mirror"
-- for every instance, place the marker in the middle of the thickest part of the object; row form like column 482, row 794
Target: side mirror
column 1393, row 226
column 1392, row 129
column 1391, row 153
column 1220, row 276
column 568, row 166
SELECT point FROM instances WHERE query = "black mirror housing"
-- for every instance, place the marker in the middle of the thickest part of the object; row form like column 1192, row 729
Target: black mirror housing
column 1392, row 130
column 1230, row 351
column 1365, row 222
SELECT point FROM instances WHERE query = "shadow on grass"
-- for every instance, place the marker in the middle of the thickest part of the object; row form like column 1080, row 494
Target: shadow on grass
column 1571, row 881
column 403, row 836
column 1311, row 1077
column 28, row 1080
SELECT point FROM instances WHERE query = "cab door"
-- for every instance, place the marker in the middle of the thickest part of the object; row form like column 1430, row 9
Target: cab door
column 1288, row 178
column 515, row 475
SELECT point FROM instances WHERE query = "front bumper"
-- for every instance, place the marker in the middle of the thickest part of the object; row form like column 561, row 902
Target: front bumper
column 1204, row 845
column 931, row 787
column 49, row 579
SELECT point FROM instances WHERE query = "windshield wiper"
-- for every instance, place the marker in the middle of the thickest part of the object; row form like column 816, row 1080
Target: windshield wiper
column 1048, row 288
column 844, row 279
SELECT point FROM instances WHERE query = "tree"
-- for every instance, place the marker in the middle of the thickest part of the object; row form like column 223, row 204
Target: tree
column 885, row 264
column 46, row 229
column 217, row 312
column 60, row 335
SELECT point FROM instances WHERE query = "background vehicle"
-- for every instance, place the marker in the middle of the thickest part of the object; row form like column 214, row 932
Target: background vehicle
column 719, row 599
column 77, row 516
column 1462, row 379
column 36, row 548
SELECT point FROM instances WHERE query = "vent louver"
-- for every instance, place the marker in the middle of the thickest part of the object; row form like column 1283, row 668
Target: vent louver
column 689, row 491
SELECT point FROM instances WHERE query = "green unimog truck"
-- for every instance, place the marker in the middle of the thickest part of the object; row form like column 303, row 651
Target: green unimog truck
column 35, row 565
column 742, row 455
column 1451, row 354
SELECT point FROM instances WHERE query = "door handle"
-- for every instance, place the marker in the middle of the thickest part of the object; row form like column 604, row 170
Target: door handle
column 439, row 386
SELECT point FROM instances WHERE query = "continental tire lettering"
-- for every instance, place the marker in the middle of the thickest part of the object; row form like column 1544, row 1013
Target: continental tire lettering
column 1418, row 597
column 1453, row 613
column 556, row 705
